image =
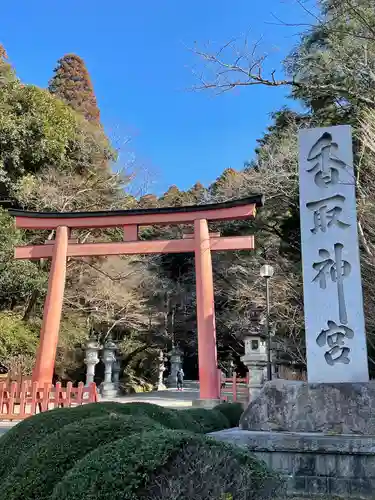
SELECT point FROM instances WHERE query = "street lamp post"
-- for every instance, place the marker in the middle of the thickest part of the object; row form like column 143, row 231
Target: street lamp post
column 266, row 272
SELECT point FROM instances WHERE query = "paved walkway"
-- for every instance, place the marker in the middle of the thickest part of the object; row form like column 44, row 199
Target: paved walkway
column 5, row 425
column 170, row 398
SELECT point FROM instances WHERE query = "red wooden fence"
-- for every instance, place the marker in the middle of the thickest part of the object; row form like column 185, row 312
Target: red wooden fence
column 22, row 400
column 234, row 388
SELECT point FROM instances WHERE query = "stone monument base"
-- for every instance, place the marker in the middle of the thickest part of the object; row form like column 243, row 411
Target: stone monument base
column 320, row 437
column 108, row 390
column 313, row 463
column 282, row 405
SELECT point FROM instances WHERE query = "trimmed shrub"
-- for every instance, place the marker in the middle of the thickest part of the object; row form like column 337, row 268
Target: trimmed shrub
column 38, row 471
column 22, row 437
column 208, row 420
column 148, row 465
column 167, row 417
column 187, row 422
column 232, row 411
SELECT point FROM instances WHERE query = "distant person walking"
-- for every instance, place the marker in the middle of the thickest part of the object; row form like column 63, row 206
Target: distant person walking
column 180, row 379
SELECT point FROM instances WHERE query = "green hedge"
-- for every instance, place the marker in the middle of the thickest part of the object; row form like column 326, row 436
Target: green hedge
column 164, row 465
column 207, row 420
column 21, row 440
column 195, row 419
column 37, row 472
column 22, row 437
column 232, row 411
column 167, row 417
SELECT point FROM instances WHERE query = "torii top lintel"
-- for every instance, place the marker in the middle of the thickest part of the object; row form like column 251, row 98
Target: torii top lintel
column 244, row 208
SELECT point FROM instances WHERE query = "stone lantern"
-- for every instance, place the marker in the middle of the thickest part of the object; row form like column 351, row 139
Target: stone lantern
column 230, row 369
column 108, row 389
column 176, row 357
column 92, row 349
column 161, row 386
column 116, row 368
column 255, row 359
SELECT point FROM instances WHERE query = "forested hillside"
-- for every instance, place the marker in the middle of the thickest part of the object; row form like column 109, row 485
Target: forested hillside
column 55, row 155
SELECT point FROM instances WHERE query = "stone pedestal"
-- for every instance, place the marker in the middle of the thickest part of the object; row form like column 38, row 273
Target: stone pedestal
column 91, row 359
column 257, row 374
column 116, row 368
column 107, row 388
column 346, row 408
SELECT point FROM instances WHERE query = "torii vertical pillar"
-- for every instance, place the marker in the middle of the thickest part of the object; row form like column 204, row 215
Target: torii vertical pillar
column 49, row 334
column 207, row 353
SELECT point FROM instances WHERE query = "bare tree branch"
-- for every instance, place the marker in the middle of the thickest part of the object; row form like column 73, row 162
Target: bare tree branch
column 229, row 75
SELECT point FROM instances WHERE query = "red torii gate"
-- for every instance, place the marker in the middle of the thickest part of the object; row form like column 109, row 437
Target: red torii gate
column 201, row 243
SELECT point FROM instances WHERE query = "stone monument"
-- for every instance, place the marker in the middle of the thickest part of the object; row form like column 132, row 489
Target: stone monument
column 334, row 319
column 321, row 434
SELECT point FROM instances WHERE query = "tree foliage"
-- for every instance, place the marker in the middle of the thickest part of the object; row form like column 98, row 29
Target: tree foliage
column 38, row 132
column 52, row 158
column 72, row 84
column 18, row 278
column 18, row 340
column 6, row 71
column 333, row 64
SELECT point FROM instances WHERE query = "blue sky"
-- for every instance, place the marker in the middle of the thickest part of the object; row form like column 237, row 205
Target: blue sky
column 137, row 54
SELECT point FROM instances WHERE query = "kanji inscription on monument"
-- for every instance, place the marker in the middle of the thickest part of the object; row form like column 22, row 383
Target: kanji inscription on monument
column 333, row 303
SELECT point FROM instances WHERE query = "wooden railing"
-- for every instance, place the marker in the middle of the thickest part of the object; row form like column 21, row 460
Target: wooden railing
column 234, row 388
column 22, row 400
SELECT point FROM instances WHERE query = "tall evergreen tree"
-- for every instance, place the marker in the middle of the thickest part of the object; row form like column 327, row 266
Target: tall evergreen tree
column 197, row 194
column 6, row 70
column 148, row 201
column 72, row 83
column 173, row 197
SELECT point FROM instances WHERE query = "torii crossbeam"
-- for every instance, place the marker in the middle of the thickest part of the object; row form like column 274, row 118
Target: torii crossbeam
column 200, row 242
